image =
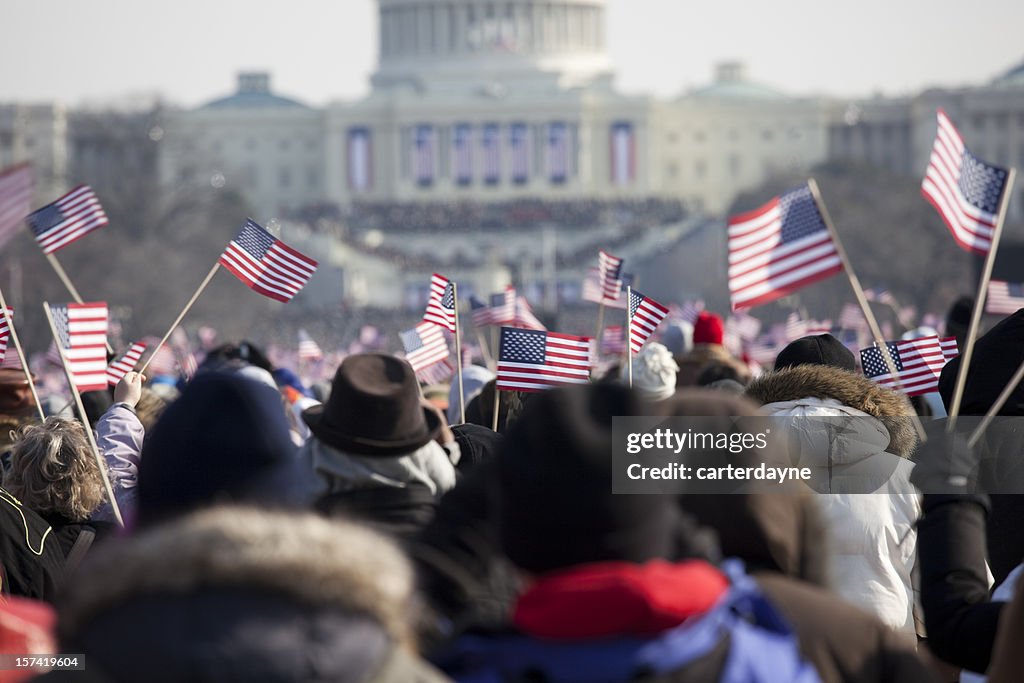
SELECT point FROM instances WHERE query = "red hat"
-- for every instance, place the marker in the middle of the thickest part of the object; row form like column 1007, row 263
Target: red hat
column 708, row 329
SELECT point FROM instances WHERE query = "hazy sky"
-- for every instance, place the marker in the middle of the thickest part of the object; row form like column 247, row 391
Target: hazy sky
column 319, row 50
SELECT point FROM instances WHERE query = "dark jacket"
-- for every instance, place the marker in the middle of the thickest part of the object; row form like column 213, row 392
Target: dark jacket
column 398, row 512
column 30, row 556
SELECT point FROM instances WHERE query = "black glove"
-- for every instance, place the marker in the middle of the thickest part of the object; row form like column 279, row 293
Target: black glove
column 945, row 463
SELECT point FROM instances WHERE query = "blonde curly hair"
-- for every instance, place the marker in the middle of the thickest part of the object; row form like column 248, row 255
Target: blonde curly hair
column 53, row 470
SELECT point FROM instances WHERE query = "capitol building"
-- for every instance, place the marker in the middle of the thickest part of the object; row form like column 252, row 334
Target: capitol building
column 483, row 101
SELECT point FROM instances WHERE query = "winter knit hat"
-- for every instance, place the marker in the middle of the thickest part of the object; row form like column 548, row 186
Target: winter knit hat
column 226, row 438
column 822, row 349
column 555, row 503
column 654, row 372
column 708, row 329
column 474, row 377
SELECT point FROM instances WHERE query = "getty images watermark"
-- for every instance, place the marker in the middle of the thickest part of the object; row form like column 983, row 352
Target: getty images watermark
column 797, row 454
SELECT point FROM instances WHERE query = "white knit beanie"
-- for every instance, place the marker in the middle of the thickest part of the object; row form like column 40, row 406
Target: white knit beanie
column 654, row 372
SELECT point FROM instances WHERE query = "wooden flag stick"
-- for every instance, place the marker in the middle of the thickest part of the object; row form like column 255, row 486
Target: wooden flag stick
column 629, row 336
column 600, row 323
column 184, row 311
column 458, row 351
column 1004, row 396
column 52, row 258
column 85, row 419
column 485, row 352
column 862, row 300
column 494, row 417
column 979, row 303
column 21, row 356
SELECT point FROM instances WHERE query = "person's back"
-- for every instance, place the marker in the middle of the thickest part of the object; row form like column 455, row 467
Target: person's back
column 31, row 559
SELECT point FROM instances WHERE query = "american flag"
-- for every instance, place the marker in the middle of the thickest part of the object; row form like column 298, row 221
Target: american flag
column 852, row 318
column 525, row 317
column 308, row 348
column 613, row 340
column 182, row 348
column 918, row 363
column 441, row 303
column 965, row 190
column 689, row 311
column 82, row 335
column 531, row 360
column 609, row 270
column 503, row 307
column 645, row 314
column 72, row 216
column 16, row 186
column 558, row 151
column 125, row 364
column 745, row 326
column 423, row 154
column 266, row 264
column 519, row 142
column 480, row 310
column 490, row 141
column 462, row 153
column 795, row 327
column 5, row 331
column 779, row 248
column 424, row 345
column 816, row 327
column 1004, row 297
column 436, row 373
column 593, row 291
column 882, row 296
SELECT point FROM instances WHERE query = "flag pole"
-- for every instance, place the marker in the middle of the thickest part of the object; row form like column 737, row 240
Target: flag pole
column 494, row 345
column 862, row 300
column 458, row 351
column 600, row 322
column 21, row 356
column 184, row 311
column 52, row 258
column 494, row 416
column 484, row 351
column 629, row 335
column 979, row 303
column 85, row 419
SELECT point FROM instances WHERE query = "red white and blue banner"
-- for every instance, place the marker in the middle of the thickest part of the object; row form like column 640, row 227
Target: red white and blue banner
column 623, row 153
column 462, row 154
column 490, row 143
column 424, row 154
column 558, row 151
column 360, row 159
column 519, row 144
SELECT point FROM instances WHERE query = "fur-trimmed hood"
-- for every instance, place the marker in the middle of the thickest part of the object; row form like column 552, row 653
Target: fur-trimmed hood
column 243, row 594
column 848, row 389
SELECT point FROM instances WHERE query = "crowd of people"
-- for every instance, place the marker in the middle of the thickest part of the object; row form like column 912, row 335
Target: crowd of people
column 360, row 531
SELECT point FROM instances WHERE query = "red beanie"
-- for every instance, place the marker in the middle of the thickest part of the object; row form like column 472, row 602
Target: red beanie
column 708, row 329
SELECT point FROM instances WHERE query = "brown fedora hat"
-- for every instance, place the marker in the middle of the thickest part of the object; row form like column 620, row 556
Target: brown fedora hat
column 374, row 408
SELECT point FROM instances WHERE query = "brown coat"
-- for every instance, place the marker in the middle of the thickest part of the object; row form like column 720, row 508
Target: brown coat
column 702, row 355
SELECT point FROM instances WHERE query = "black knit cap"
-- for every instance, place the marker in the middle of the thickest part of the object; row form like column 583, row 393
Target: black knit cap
column 556, row 507
column 822, row 349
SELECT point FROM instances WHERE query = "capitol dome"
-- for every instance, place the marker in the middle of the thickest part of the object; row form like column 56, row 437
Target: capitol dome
column 446, row 45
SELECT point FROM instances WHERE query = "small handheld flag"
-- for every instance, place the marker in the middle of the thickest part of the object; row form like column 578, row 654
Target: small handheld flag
column 532, row 360
column 5, row 331
column 123, row 365
column 424, row 345
column 16, row 186
column 72, row 216
column 965, row 190
column 645, row 314
column 779, row 248
column 266, row 264
column 918, row 362
column 1004, row 298
column 81, row 332
column 308, row 348
column 441, row 303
